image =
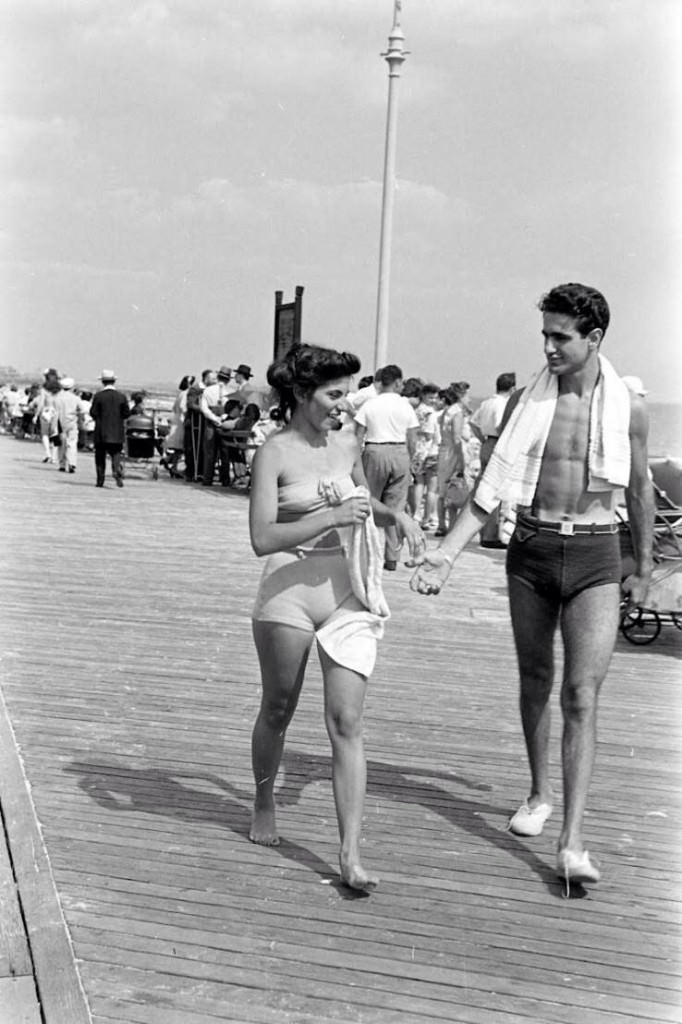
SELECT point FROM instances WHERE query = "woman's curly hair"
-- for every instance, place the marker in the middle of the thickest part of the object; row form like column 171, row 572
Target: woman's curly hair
column 306, row 368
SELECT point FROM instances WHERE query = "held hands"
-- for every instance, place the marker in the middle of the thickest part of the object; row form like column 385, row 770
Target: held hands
column 430, row 576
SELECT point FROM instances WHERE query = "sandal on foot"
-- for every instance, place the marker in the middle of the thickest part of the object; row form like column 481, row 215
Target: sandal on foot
column 529, row 821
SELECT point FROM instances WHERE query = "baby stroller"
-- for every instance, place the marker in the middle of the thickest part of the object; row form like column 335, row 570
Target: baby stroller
column 141, row 443
column 664, row 600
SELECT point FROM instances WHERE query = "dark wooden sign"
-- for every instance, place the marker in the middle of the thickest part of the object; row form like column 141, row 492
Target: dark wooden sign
column 287, row 323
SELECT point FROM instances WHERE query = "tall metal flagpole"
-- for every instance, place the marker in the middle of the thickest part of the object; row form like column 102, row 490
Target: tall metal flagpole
column 395, row 56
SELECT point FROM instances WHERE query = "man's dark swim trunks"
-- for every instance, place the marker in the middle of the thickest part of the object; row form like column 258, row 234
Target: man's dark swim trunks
column 559, row 566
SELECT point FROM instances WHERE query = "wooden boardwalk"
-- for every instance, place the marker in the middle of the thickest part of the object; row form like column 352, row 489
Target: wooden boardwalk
column 130, row 685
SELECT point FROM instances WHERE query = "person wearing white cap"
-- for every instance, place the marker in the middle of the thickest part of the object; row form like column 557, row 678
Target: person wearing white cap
column 69, row 413
column 109, row 410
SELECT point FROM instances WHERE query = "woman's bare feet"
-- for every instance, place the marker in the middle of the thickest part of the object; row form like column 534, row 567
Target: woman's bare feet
column 354, row 875
column 264, row 827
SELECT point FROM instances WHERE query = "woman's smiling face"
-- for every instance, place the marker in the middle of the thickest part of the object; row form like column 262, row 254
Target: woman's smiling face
column 323, row 408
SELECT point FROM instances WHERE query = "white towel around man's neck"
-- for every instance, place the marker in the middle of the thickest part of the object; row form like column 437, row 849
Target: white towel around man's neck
column 514, row 467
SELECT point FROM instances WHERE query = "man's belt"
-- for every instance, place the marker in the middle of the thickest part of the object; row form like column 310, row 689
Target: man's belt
column 565, row 528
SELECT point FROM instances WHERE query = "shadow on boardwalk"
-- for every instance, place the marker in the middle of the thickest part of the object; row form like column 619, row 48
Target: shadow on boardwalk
column 117, row 787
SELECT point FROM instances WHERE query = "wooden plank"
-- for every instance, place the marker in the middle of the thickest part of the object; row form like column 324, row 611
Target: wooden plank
column 61, row 994
column 258, row 928
column 368, row 972
column 275, row 1006
column 15, row 959
column 415, row 932
column 432, row 1003
column 18, row 1001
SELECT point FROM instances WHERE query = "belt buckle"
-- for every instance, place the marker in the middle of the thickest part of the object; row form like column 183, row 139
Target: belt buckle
column 566, row 529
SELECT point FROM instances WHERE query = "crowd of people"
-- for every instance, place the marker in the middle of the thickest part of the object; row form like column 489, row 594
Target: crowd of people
column 193, row 435
column 54, row 411
column 219, row 419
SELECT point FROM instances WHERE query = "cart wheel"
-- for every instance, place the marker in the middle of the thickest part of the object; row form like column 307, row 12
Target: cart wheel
column 640, row 626
column 155, row 472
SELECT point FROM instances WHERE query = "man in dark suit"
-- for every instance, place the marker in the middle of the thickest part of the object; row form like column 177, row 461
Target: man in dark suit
column 109, row 410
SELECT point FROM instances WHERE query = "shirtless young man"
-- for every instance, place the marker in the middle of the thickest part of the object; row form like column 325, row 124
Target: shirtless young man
column 563, row 563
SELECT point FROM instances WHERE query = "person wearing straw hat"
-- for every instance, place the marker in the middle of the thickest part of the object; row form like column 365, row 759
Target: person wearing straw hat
column 109, row 410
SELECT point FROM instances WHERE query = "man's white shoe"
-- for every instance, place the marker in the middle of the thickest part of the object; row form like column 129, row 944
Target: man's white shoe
column 529, row 821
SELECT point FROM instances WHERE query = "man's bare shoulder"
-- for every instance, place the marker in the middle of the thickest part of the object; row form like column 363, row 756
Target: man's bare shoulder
column 639, row 416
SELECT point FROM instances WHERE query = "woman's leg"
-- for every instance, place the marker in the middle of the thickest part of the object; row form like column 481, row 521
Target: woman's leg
column 47, row 447
column 283, row 655
column 344, row 697
column 431, row 500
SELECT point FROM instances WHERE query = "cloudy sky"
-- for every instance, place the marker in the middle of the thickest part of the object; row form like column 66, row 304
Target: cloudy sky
column 168, row 164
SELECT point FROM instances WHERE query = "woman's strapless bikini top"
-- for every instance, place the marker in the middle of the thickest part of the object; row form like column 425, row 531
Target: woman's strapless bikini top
column 299, row 499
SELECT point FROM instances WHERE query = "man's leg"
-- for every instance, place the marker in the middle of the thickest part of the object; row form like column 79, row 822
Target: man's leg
column 100, row 463
column 395, row 497
column 377, row 469
column 210, row 452
column 117, row 463
column 534, row 619
column 225, row 451
column 376, row 472
column 589, row 623
column 489, row 530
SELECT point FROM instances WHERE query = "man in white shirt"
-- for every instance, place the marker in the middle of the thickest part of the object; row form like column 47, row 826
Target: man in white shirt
column 485, row 424
column 70, row 410
column 212, row 404
column 388, row 426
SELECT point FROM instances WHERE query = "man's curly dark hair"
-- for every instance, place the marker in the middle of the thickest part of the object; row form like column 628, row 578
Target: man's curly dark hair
column 586, row 305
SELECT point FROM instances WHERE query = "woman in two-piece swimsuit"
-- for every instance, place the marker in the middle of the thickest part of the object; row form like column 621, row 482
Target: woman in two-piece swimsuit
column 308, row 490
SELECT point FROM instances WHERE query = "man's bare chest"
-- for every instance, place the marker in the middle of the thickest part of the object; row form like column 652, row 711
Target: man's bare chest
column 569, row 432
